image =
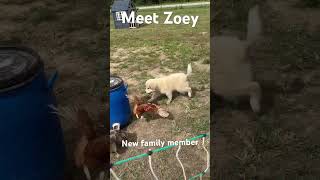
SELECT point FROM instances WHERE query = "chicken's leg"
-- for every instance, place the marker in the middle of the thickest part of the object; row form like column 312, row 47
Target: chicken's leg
column 86, row 172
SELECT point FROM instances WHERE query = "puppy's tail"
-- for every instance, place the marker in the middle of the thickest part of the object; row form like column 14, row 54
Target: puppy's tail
column 254, row 26
column 189, row 70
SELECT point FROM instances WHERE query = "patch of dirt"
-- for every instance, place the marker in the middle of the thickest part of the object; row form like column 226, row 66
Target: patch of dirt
column 120, row 56
column 131, row 81
column 202, row 67
column 141, row 50
column 156, row 73
column 177, row 109
column 163, row 57
column 114, row 67
column 119, row 53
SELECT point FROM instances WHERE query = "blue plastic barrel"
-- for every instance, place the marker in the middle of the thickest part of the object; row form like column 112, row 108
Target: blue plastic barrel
column 119, row 102
column 31, row 137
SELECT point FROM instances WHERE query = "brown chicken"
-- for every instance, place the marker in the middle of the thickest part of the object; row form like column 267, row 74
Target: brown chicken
column 92, row 151
column 140, row 108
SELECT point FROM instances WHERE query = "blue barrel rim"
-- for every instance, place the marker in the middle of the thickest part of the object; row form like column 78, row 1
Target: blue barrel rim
column 118, row 85
column 40, row 66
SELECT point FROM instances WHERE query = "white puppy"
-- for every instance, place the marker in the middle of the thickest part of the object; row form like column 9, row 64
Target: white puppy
column 232, row 73
column 168, row 84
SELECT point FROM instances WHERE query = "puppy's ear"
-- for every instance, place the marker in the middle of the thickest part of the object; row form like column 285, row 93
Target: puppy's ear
column 154, row 86
column 148, row 83
column 157, row 88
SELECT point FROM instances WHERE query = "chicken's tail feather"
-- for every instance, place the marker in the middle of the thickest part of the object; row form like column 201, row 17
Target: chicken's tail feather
column 163, row 113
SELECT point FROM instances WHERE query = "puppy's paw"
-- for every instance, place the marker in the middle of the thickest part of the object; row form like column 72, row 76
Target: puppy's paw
column 255, row 105
column 189, row 94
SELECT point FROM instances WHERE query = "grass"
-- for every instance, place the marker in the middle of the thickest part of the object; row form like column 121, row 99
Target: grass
column 178, row 47
column 155, row 49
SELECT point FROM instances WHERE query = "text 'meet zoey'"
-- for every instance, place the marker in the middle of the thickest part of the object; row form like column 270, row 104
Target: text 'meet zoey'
column 154, row 18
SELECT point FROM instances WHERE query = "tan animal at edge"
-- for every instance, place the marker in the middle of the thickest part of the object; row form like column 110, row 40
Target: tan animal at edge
column 232, row 74
column 168, row 84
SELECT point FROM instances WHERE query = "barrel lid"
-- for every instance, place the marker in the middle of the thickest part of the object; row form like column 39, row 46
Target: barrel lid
column 115, row 82
column 17, row 65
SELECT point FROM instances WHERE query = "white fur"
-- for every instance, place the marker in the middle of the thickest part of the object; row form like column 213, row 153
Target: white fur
column 168, row 84
column 232, row 74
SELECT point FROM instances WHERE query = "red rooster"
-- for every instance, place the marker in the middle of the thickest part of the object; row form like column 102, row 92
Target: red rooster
column 140, row 108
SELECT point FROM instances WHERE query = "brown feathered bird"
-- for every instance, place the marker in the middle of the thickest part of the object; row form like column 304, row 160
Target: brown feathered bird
column 140, row 108
column 92, row 151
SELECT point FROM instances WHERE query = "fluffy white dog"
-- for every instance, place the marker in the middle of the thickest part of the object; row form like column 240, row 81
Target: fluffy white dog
column 232, row 74
column 168, row 84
